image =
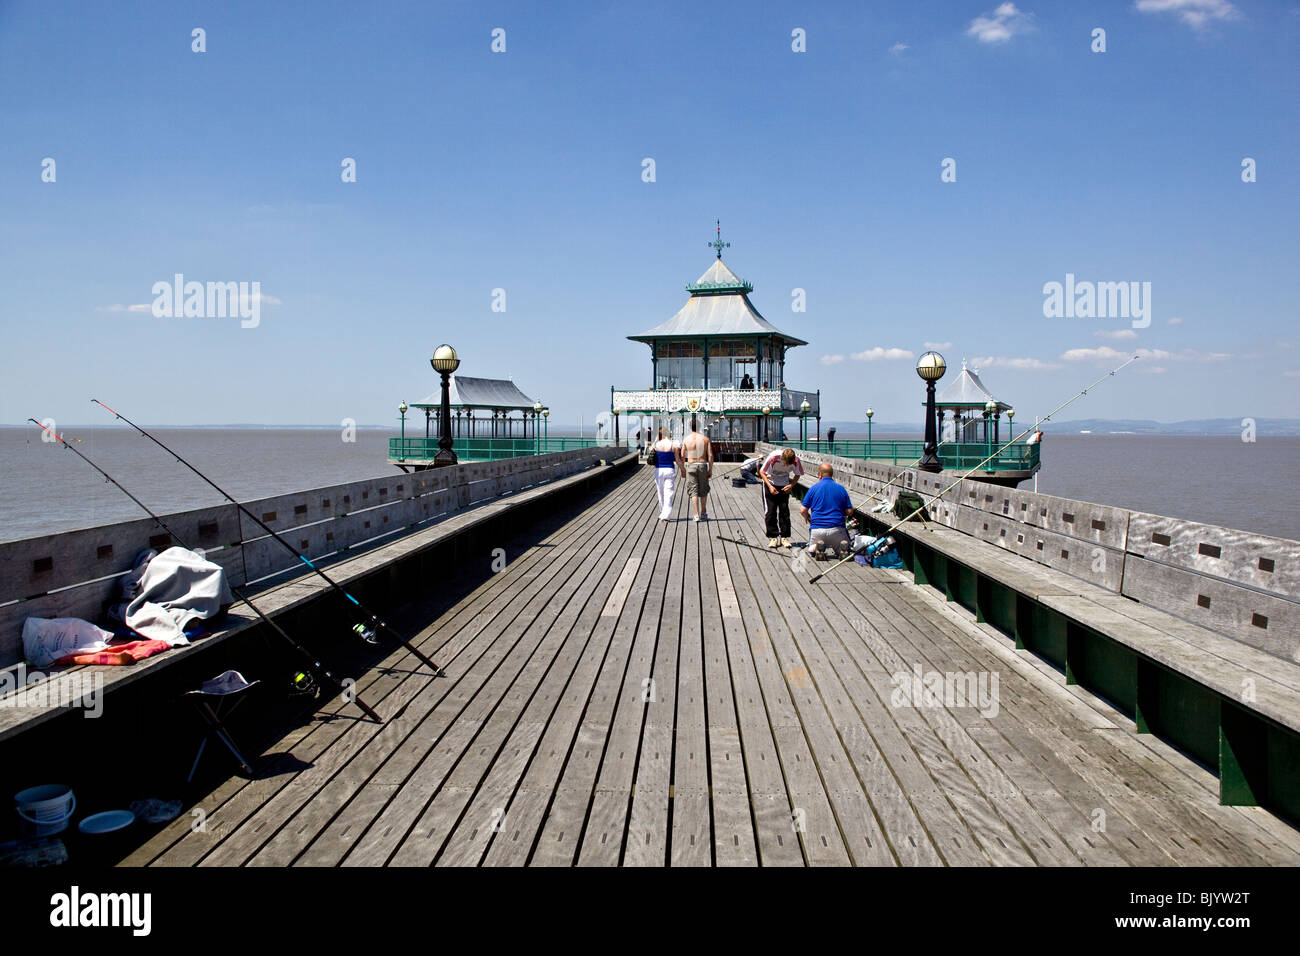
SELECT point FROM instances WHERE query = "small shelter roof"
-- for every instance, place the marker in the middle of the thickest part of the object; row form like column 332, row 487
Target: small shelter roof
column 465, row 392
column 966, row 391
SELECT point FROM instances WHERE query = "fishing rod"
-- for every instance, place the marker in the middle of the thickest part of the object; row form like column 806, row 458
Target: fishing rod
column 894, row 527
column 367, row 634
column 315, row 666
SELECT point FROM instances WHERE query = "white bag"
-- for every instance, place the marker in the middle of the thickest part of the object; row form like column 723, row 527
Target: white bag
column 45, row 640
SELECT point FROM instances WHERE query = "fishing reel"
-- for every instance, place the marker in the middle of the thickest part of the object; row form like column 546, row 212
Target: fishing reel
column 872, row 547
column 303, row 684
column 367, row 634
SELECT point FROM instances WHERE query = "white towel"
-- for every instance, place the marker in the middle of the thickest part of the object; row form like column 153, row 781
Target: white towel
column 177, row 588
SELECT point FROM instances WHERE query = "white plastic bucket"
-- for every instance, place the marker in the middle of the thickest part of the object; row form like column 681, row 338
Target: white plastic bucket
column 44, row 810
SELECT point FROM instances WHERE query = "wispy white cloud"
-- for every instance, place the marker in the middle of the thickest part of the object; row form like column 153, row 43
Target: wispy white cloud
column 878, row 353
column 1022, row 364
column 1115, row 334
column 832, row 359
column 1174, row 321
column 938, row 345
column 1106, row 354
column 1195, row 13
column 1000, row 25
column 899, row 47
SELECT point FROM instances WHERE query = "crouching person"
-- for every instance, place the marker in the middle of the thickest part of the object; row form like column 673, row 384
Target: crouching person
column 826, row 508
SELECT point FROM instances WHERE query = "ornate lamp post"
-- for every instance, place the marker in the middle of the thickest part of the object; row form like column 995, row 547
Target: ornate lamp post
column 803, row 424
column 870, row 415
column 1011, row 423
column 537, row 439
column 930, row 367
column 990, row 414
column 402, row 408
column 444, row 362
column 617, row 412
column 546, row 423
column 766, row 411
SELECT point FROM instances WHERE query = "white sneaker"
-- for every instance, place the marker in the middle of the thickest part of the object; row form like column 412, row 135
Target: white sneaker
column 785, row 543
column 696, row 518
column 774, row 542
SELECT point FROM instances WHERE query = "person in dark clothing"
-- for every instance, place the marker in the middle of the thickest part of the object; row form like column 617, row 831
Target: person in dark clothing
column 779, row 472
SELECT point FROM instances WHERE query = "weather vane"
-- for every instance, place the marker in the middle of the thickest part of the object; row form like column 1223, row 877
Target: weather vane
column 718, row 244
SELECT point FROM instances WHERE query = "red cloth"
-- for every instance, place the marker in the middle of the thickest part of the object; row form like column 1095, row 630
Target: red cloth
column 127, row 653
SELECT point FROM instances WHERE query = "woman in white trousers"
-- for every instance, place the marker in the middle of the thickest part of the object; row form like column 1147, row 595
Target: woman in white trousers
column 667, row 453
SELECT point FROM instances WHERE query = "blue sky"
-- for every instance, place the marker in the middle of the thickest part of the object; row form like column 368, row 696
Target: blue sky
column 522, row 171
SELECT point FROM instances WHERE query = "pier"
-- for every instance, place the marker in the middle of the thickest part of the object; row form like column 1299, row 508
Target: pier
column 629, row 692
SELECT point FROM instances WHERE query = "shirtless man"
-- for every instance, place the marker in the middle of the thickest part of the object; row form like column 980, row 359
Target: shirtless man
column 697, row 469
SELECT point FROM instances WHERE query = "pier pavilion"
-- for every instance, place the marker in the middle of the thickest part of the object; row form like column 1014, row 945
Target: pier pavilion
column 491, row 419
column 484, row 408
column 973, row 419
column 720, row 360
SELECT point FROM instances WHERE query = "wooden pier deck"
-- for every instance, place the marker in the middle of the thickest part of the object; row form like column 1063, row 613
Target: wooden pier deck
column 630, row 692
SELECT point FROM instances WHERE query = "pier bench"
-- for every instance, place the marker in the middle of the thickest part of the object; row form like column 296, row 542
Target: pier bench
column 1191, row 629
column 440, row 514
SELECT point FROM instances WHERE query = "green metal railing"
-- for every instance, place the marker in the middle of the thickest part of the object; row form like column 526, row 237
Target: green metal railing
column 955, row 457
column 483, row 449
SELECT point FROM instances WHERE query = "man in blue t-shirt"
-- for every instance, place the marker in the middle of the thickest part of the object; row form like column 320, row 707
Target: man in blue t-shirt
column 826, row 507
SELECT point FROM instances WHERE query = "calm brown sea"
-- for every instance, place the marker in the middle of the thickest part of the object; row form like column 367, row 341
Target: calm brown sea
column 45, row 488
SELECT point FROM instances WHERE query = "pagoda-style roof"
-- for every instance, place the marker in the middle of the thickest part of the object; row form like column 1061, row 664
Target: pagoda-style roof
column 719, row 307
column 495, row 393
column 967, row 391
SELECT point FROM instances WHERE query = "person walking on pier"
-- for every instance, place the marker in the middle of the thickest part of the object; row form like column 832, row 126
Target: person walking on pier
column 779, row 471
column 826, row 508
column 667, row 455
column 697, row 452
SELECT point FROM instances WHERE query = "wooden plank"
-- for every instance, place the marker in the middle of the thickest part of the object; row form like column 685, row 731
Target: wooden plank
column 771, row 809
column 1095, row 563
column 350, row 825
column 607, row 820
column 1202, row 641
column 1102, row 761
column 1268, row 623
column 647, row 842
column 1022, row 733
column 691, row 838
column 1242, row 557
column 733, row 824
column 846, row 697
column 558, row 625
column 813, row 819
column 811, row 680
column 571, row 795
column 48, row 562
column 421, row 765
column 1273, row 700
column 542, row 726
column 882, row 756
column 255, row 797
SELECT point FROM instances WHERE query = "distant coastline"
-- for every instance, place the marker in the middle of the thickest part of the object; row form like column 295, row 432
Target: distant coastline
column 1271, row 427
